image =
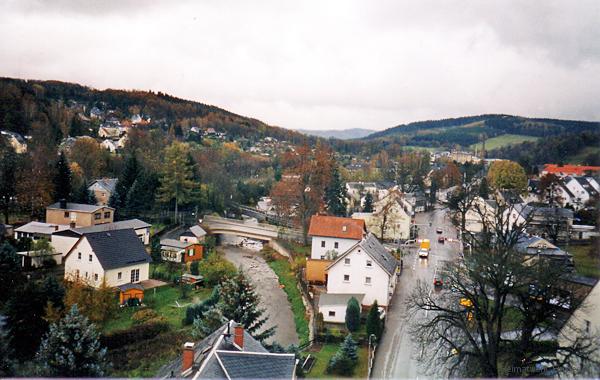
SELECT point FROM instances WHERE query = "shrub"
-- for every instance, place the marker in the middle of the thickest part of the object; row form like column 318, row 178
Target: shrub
column 134, row 334
column 215, row 269
column 353, row 315
column 194, row 268
column 345, row 359
column 143, row 316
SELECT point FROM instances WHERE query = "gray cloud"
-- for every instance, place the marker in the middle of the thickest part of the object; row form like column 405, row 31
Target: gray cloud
column 334, row 64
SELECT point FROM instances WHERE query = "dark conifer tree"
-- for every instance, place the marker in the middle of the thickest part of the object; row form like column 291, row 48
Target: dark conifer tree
column 62, row 179
column 335, row 195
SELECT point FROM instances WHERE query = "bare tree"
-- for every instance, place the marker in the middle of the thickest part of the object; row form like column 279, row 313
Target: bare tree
column 496, row 315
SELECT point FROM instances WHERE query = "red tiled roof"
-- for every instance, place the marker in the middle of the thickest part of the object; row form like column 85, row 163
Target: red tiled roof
column 570, row 169
column 333, row 226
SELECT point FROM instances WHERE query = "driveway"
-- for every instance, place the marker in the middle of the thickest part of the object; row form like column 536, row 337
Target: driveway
column 272, row 298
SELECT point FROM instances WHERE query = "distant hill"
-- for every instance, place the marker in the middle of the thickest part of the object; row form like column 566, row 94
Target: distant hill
column 469, row 130
column 343, row 134
column 22, row 102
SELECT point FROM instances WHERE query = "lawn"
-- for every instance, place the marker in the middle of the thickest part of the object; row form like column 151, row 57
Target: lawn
column 585, row 265
column 503, row 140
column 282, row 269
column 162, row 300
column 326, row 352
column 297, row 249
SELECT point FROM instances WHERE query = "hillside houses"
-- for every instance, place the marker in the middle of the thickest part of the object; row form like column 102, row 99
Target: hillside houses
column 103, row 189
column 390, row 220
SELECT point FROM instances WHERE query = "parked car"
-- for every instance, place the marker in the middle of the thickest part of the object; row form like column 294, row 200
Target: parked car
column 439, row 230
column 441, row 239
column 438, row 281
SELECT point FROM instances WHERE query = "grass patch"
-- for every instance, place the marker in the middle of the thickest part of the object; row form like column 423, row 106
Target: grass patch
column 581, row 156
column 295, row 248
column 326, row 352
column 503, row 140
column 585, row 265
column 286, row 277
column 163, row 302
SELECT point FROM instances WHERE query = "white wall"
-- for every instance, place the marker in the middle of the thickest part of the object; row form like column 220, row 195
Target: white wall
column 340, row 313
column 63, row 244
column 381, row 283
column 93, row 267
column 317, row 251
column 144, row 234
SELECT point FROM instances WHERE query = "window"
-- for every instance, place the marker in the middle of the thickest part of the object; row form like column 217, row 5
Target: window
column 369, row 263
column 344, row 228
column 107, row 214
column 86, row 274
column 346, row 261
column 77, row 274
column 79, row 255
column 97, row 215
column 331, row 313
column 322, row 243
column 191, row 252
column 322, row 257
column 336, row 245
column 90, row 258
column 95, row 276
column 588, row 326
column 368, row 280
column 119, row 276
column 135, row 275
column 346, row 277
column 66, row 214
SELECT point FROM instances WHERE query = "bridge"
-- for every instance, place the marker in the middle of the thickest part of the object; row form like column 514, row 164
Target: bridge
column 249, row 228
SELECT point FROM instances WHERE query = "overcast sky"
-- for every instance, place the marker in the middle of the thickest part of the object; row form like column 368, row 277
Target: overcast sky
column 322, row 64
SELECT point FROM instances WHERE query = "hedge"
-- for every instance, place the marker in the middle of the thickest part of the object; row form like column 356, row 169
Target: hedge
column 134, row 334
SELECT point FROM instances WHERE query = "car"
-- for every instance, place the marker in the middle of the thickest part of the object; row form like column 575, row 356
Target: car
column 441, row 239
column 438, row 281
column 424, row 253
column 439, row 230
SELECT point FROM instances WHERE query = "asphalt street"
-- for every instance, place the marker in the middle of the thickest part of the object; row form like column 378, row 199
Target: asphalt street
column 397, row 355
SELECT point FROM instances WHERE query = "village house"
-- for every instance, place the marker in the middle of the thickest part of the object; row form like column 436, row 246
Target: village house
column 333, row 306
column 482, row 212
column 38, row 230
column 194, row 234
column 103, row 189
column 78, row 215
column 539, row 219
column 17, row 141
column 365, row 268
column 109, row 145
column 229, row 353
column 62, row 241
column 389, row 221
column 534, row 248
column 568, row 170
column 179, row 251
column 117, row 257
column 582, row 188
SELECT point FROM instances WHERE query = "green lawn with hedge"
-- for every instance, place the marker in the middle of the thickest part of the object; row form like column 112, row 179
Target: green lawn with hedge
column 585, row 264
column 282, row 269
column 326, row 352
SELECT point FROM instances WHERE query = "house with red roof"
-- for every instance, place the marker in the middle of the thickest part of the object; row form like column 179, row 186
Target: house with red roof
column 568, row 170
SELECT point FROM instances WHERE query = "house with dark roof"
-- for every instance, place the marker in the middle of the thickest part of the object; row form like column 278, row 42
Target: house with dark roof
column 365, row 268
column 535, row 248
column 64, row 239
column 103, row 189
column 229, row 352
column 194, row 234
column 117, row 256
column 538, row 219
column 78, row 214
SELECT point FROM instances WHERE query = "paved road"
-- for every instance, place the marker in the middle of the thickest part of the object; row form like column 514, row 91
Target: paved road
column 272, row 298
column 397, row 356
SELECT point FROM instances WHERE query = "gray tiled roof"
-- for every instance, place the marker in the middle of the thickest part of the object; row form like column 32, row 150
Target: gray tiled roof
column 173, row 243
column 375, row 249
column 118, row 248
column 41, row 228
column 329, row 299
column 244, row 365
column 121, row 225
column 76, row 207
column 107, row 183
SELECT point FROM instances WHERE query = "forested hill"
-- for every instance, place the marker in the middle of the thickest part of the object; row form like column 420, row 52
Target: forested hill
column 465, row 131
column 25, row 101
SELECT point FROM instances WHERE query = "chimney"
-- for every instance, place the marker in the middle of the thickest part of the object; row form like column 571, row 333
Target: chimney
column 188, row 356
column 63, row 203
column 238, row 336
column 55, row 228
column 71, row 225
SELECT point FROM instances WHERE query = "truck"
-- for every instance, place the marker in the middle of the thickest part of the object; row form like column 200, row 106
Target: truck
column 424, row 248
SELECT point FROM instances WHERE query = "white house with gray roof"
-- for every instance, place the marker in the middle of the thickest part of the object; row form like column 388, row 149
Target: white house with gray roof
column 366, row 268
column 117, row 256
column 333, row 306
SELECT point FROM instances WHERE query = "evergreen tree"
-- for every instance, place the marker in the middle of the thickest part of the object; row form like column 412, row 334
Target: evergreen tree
column 335, row 195
column 368, row 203
column 125, row 182
column 345, row 359
column 83, row 195
column 8, row 170
column 155, row 251
column 177, row 182
column 142, row 194
column 54, row 291
column 72, row 349
column 11, row 277
column 239, row 301
column 353, row 315
column 374, row 322
column 484, row 189
column 7, row 361
column 62, row 179
column 210, row 320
